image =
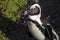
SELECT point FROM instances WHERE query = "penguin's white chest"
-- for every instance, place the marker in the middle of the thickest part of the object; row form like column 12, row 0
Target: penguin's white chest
column 35, row 31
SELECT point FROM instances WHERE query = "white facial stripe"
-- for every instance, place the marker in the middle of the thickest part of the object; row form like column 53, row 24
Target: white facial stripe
column 36, row 17
column 34, row 6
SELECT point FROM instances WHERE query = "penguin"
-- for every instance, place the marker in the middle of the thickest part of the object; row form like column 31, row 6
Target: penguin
column 35, row 25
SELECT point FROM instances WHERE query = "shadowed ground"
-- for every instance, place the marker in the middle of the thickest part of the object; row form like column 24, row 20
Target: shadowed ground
column 14, row 31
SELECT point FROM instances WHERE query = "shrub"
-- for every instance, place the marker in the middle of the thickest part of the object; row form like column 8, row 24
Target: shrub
column 10, row 8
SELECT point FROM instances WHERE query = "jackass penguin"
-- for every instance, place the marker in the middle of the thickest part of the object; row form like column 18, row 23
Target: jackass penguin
column 36, row 27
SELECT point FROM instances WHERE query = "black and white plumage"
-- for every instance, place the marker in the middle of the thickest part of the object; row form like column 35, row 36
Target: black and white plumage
column 34, row 18
column 32, row 27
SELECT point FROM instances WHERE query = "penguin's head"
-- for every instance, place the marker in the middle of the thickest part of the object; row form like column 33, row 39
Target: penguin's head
column 34, row 9
column 34, row 12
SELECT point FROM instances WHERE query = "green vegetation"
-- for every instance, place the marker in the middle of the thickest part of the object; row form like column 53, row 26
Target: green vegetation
column 2, row 36
column 10, row 9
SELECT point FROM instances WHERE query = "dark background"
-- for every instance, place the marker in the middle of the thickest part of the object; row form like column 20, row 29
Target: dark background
column 49, row 8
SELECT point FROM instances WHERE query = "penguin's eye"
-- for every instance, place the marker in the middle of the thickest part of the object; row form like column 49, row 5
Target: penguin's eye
column 34, row 11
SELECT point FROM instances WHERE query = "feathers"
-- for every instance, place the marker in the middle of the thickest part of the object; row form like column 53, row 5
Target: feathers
column 36, row 27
